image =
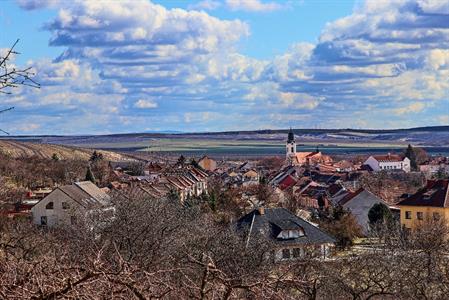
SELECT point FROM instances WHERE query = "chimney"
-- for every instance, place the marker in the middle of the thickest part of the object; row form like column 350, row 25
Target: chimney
column 261, row 210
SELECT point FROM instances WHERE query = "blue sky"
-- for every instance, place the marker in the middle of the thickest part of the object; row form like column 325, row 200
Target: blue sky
column 209, row 65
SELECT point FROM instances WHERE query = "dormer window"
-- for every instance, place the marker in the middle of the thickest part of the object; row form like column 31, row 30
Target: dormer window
column 291, row 234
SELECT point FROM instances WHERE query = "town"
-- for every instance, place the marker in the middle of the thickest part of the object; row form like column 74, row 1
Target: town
column 302, row 210
column 224, row 149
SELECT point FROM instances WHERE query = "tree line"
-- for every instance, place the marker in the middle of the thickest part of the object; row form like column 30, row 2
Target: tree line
column 157, row 248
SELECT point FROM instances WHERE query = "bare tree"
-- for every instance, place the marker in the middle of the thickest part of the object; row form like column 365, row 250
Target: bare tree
column 13, row 77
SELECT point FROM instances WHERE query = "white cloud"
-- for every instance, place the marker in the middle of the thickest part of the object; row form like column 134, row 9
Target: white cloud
column 205, row 5
column 29, row 127
column 253, row 5
column 145, row 104
column 388, row 59
column 444, row 120
column 36, row 4
column 414, row 107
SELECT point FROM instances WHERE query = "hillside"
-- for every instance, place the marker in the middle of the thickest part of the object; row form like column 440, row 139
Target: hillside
column 26, row 149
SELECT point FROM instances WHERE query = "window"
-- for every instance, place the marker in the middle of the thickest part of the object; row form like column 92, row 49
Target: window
column 49, row 205
column 419, row 215
column 44, row 220
column 408, row 215
column 285, row 253
column 293, row 234
column 65, row 205
column 297, row 252
column 436, row 216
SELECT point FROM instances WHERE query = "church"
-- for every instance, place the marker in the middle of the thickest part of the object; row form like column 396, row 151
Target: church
column 295, row 158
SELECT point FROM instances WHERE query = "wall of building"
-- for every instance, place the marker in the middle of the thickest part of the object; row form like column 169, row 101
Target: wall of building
column 388, row 166
column 57, row 215
column 427, row 215
column 290, row 149
column 322, row 251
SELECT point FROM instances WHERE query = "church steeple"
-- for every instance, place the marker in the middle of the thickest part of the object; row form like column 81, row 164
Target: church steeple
column 291, row 136
column 290, row 147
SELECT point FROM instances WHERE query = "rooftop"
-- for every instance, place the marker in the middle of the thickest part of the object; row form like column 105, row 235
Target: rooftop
column 268, row 224
column 435, row 194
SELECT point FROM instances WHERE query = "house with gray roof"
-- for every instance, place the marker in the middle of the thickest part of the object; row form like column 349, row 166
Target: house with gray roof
column 66, row 203
column 359, row 204
column 291, row 236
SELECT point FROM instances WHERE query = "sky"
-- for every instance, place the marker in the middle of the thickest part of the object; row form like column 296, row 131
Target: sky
column 110, row 66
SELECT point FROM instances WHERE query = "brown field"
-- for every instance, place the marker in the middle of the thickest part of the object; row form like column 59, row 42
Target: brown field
column 26, row 149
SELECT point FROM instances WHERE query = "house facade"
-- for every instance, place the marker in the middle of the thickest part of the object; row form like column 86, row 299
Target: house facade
column 389, row 162
column 187, row 182
column 66, row 203
column 429, row 203
column 291, row 236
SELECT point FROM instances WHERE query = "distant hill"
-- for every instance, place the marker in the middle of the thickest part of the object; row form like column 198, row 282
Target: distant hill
column 432, row 136
column 27, row 149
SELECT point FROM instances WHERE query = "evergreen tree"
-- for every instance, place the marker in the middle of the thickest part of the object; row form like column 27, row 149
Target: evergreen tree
column 181, row 160
column 89, row 175
column 194, row 163
column 441, row 173
column 55, row 157
column 173, row 195
column 410, row 153
column 213, row 202
column 379, row 214
column 96, row 156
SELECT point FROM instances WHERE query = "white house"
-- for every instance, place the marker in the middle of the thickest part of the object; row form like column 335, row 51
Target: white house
column 66, row 203
column 389, row 162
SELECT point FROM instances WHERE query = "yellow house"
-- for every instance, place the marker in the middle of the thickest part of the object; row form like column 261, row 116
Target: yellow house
column 429, row 203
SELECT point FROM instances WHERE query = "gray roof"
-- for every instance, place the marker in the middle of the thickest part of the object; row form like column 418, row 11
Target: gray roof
column 86, row 194
column 274, row 220
column 360, row 204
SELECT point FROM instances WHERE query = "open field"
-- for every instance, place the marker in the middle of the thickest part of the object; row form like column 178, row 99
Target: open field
column 238, row 147
column 259, row 143
column 26, row 149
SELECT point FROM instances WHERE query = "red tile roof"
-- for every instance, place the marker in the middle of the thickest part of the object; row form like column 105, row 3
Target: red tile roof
column 350, row 196
column 287, row 182
column 388, row 158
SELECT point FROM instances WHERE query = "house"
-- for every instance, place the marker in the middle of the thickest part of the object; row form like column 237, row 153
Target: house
column 303, row 158
column 281, row 175
column 359, row 204
column 250, row 177
column 310, row 158
column 429, row 203
column 389, row 162
column 434, row 168
column 312, row 195
column 64, row 204
column 187, row 182
column 291, row 236
column 207, row 163
column 246, row 166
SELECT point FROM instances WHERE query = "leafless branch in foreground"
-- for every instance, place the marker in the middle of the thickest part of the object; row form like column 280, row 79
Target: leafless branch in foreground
column 12, row 77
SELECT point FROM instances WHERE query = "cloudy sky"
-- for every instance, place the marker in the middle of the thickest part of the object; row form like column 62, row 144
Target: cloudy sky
column 210, row 65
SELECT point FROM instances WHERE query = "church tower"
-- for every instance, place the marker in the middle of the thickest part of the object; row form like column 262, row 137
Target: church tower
column 291, row 144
